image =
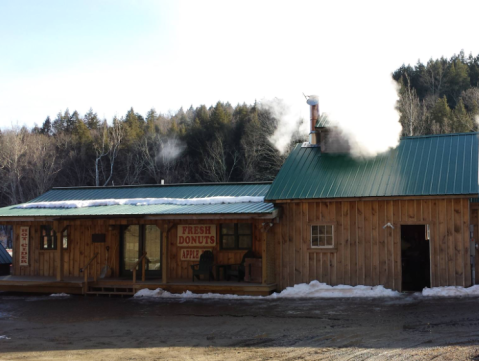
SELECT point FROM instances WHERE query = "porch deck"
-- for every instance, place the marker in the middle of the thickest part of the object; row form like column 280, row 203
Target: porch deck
column 74, row 285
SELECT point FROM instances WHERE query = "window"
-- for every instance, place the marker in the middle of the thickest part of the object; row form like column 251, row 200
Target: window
column 236, row 236
column 322, row 236
column 48, row 238
column 65, row 238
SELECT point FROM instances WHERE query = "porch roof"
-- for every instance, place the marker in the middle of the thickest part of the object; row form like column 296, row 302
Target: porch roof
column 175, row 191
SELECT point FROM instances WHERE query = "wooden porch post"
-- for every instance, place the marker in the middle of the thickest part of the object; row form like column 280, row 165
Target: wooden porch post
column 58, row 230
column 263, row 262
column 164, row 256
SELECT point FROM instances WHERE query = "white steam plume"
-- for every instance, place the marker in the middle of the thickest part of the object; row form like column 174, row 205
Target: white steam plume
column 367, row 120
column 291, row 121
column 171, row 148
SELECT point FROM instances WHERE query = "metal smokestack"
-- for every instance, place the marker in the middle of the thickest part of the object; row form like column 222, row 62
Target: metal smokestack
column 313, row 102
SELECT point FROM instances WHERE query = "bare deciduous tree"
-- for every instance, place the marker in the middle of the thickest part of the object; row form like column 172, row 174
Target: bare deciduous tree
column 107, row 145
column 12, row 164
column 161, row 157
column 43, row 163
column 410, row 107
column 261, row 159
column 218, row 163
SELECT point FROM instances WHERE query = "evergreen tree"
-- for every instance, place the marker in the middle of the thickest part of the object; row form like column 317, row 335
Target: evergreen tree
column 91, row 120
column 457, row 81
column 134, row 126
column 47, row 127
column 151, row 118
column 441, row 117
column 462, row 122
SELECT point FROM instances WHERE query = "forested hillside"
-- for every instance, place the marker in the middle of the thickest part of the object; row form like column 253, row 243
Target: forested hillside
column 217, row 144
column 441, row 96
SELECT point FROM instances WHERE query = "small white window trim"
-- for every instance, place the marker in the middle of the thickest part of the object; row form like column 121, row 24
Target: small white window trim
column 311, row 236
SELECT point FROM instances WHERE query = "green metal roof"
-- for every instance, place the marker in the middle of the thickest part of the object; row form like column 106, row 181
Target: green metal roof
column 183, row 191
column 419, row 166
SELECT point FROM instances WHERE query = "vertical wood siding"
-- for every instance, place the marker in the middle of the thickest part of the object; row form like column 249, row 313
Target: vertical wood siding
column 181, row 270
column 366, row 253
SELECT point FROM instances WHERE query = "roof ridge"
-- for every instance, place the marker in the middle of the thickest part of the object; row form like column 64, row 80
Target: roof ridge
column 165, row 185
column 437, row 135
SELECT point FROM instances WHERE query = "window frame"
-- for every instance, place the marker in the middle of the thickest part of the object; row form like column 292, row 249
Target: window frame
column 236, row 235
column 54, row 238
column 319, row 247
column 67, row 237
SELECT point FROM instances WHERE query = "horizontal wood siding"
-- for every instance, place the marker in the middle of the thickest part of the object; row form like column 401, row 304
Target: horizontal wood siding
column 365, row 252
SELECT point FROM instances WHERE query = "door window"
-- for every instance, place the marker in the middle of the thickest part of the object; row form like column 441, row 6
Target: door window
column 135, row 241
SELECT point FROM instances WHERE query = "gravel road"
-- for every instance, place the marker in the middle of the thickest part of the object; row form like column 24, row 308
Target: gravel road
column 102, row 328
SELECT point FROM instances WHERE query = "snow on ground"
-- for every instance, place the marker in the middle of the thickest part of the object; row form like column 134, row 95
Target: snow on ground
column 451, row 291
column 59, row 295
column 322, row 290
column 140, row 202
column 314, row 289
column 4, row 337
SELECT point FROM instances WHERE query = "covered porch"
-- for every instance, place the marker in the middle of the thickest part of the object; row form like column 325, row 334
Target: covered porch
column 146, row 236
column 125, row 287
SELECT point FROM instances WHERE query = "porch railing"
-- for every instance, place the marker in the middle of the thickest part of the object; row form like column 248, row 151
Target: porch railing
column 85, row 273
column 142, row 259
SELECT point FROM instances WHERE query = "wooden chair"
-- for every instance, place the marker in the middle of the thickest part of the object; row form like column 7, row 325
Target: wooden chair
column 205, row 267
column 237, row 270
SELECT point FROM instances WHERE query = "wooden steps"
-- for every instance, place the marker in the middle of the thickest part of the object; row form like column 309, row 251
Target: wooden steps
column 111, row 290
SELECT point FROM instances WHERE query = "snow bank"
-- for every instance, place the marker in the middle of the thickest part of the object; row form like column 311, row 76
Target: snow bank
column 4, row 337
column 59, row 295
column 160, row 293
column 140, row 202
column 451, row 291
column 314, row 289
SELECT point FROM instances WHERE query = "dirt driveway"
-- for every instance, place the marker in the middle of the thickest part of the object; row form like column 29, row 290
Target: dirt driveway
column 101, row 328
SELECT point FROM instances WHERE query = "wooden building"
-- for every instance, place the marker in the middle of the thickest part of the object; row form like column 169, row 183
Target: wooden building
column 64, row 239
column 402, row 219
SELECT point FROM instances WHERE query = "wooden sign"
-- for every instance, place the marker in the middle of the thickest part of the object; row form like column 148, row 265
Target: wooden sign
column 191, row 254
column 24, row 238
column 199, row 235
column 98, row 238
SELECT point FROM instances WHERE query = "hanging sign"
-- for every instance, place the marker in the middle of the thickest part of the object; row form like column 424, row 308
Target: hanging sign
column 24, row 237
column 191, row 254
column 202, row 235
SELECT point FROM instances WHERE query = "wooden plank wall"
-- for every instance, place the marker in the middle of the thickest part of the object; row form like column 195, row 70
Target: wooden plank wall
column 80, row 250
column 181, row 270
column 366, row 253
column 475, row 223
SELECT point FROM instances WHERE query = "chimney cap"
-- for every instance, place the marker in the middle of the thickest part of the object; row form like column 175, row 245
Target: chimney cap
column 312, row 99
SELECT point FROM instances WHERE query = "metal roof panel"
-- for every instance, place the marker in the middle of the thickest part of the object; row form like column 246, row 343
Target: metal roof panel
column 426, row 165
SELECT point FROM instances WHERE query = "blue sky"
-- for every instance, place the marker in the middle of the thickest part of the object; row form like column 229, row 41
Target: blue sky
column 113, row 55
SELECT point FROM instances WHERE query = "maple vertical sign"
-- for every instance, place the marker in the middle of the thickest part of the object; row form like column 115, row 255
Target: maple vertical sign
column 198, row 235
column 24, row 238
